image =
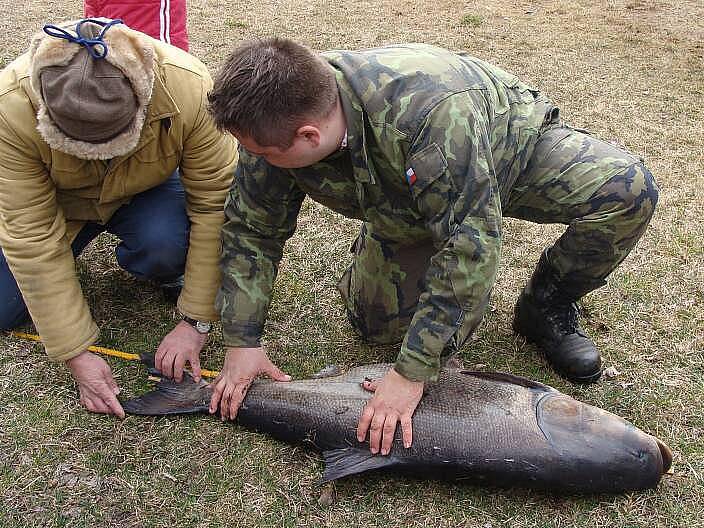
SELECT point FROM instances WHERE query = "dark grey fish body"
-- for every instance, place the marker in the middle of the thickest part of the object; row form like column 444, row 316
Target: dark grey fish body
column 481, row 426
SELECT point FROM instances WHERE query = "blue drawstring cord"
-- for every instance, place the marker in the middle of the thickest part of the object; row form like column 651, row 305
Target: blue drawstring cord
column 95, row 46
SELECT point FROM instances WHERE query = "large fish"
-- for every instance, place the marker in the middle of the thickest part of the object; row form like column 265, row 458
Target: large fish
column 481, row 426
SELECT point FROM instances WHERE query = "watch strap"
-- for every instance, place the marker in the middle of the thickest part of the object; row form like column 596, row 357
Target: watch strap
column 202, row 327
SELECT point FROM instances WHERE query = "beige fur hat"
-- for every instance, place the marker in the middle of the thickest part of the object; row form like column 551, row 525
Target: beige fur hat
column 94, row 82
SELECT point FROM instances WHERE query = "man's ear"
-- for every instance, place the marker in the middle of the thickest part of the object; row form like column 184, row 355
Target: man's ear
column 310, row 134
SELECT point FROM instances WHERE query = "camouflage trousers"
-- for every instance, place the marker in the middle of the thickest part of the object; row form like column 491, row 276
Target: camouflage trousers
column 605, row 196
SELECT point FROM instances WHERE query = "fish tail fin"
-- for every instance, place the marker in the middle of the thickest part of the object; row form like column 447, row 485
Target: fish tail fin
column 170, row 397
column 147, row 358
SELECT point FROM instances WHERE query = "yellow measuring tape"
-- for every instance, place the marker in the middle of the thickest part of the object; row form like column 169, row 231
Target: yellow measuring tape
column 108, row 352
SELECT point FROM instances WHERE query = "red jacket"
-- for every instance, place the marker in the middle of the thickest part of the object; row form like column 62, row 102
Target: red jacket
column 162, row 19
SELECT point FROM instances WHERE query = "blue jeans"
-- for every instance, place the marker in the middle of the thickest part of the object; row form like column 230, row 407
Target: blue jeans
column 153, row 229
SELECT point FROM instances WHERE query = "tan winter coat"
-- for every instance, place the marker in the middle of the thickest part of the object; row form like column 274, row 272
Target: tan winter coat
column 46, row 196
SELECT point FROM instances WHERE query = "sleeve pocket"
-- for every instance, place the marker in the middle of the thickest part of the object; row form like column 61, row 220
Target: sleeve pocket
column 424, row 167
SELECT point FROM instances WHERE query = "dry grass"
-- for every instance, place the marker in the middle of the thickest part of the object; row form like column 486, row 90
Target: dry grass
column 628, row 70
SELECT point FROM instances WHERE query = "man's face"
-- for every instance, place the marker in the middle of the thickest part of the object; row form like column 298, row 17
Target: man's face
column 302, row 152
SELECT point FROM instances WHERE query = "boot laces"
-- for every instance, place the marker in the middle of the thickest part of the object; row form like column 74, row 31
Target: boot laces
column 563, row 314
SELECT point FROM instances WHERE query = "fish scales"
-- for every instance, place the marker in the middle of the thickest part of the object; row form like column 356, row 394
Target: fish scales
column 474, row 424
column 457, row 401
column 484, row 426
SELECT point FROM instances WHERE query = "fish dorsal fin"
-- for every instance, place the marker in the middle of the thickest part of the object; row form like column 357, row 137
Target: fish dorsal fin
column 510, row 378
column 329, row 371
column 351, row 460
column 171, row 397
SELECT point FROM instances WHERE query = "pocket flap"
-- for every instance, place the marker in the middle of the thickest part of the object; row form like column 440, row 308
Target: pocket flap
column 424, row 167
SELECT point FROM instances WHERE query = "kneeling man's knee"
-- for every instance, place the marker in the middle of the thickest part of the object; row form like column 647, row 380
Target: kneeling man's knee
column 160, row 254
column 637, row 190
column 375, row 326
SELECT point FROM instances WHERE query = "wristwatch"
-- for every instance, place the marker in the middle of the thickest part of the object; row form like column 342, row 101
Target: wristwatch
column 202, row 327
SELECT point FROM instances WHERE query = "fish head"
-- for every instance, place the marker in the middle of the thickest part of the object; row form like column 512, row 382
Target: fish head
column 606, row 450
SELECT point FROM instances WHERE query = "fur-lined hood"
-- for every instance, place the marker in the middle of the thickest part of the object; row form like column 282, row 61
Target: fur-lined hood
column 128, row 50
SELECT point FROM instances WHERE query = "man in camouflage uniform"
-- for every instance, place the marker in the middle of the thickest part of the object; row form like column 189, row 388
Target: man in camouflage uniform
column 430, row 149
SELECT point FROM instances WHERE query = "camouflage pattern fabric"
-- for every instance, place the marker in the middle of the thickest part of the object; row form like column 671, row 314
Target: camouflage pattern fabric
column 437, row 142
column 604, row 194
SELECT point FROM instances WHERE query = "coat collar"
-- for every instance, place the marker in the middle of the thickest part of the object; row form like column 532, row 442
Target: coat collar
column 356, row 119
column 162, row 104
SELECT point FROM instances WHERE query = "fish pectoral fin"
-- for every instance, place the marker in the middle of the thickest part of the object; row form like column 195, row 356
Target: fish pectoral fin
column 350, row 460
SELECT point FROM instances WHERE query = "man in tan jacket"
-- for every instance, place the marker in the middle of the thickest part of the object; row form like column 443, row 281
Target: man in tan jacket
column 103, row 128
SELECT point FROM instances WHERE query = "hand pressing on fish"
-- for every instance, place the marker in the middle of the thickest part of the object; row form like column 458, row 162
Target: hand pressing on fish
column 395, row 399
column 180, row 346
column 96, row 385
column 241, row 366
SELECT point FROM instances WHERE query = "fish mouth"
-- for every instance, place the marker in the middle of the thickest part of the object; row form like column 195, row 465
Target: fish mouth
column 666, row 454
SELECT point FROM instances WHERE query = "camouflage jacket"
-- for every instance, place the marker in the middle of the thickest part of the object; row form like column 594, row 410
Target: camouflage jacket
column 434, row 140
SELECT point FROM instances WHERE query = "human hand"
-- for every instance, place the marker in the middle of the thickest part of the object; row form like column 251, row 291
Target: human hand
column 395, row 399
column 96, row 385
column 241, row 366
column 183, row 344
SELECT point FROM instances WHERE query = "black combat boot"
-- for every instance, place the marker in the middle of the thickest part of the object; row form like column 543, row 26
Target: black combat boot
column 546, row 314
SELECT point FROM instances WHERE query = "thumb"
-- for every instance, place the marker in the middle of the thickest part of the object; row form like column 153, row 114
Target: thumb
column 113, row 386
column 277, row 374
column 370, row 385
column 110, row 380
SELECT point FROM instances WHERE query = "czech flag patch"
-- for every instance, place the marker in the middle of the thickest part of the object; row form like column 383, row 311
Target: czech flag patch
column 410, row 176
